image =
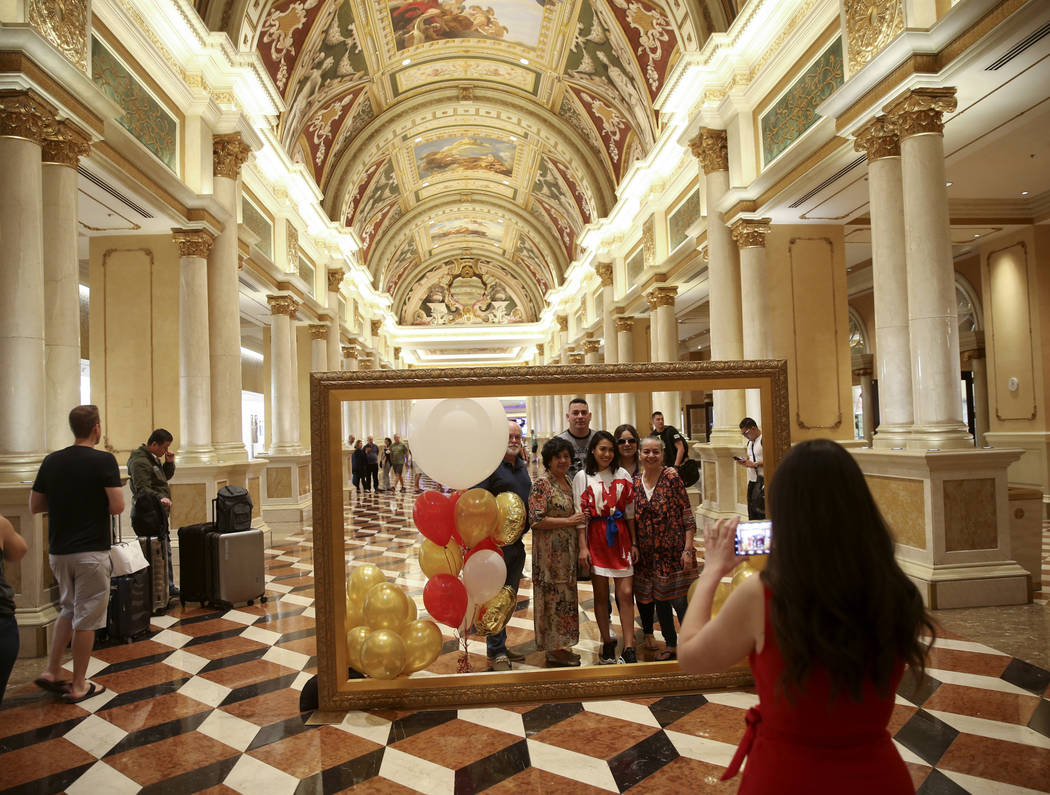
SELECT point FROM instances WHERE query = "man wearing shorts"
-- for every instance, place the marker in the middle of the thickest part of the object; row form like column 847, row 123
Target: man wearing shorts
column 79, row 488
column 398, row 455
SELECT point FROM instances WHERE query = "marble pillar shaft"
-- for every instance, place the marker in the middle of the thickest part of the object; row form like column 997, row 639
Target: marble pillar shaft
column 625, row 352
column 195, row 393
column 61, row 300
column 755, row 318
column 318, row 355
column 285, row 433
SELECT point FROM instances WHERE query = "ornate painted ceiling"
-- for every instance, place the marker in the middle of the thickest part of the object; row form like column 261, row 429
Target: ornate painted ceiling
column 468, row 145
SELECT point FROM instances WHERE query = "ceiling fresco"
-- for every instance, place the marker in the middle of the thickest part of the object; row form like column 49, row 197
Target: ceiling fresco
column 488, row 133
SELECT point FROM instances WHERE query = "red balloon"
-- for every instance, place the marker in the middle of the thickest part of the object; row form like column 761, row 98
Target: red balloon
column 453, row 498
column 445, row 598
column 485, row 543
column 432, row 514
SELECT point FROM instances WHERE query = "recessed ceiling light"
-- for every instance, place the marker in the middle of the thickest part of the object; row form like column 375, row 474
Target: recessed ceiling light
column 418, row 140
column 513, row 138
column 426, row 184
column 505, row 182
column 524, row 61
column 947, row 184
column 1024, row 193
column 406, row 62
column 976, row 235
column 499, row 220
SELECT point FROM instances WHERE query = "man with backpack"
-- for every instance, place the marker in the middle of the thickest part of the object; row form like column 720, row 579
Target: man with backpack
column 150, row 467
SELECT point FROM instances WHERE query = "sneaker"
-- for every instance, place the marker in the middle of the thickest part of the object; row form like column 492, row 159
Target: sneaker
column 628, row 656
column 608, row 654
column 500, row 663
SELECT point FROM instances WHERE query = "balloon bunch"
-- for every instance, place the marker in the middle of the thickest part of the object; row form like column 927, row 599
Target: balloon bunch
column 384, row 637
column 462, row 559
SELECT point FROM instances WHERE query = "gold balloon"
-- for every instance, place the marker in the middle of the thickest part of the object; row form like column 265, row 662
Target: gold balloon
column 354, row 639
column 354, row 616
column 511, row 518
column 386, row 606
column 496, row 612
column 413, row 612
column 742, row 573
column 756, row 562
column 423, row 642
column 721, row 594
column 476, row 515
column 440, row 560
column 361, row 579
column 383, row 654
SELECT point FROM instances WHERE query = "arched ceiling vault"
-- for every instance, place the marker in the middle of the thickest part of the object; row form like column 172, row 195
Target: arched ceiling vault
column 480, row 136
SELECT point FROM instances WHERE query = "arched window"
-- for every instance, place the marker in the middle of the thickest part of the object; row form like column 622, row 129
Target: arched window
column 966, row 305
column 858, row 336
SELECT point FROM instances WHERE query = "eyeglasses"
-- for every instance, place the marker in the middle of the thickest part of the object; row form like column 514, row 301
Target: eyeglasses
column 626, row 441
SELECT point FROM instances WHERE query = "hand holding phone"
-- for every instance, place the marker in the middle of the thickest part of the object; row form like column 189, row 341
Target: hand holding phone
column 753, row 538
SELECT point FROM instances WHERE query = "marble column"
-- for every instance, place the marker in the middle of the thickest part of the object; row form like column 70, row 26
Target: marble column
column 750, row 238
column 933, row 326
column 879, row 141
column 284, row 389
column 318, row 347
column 625, row 352
column 862, row 369
column 664, row 332
column 563, row 339
column 609, row 337
column 368, row 416
column 335, row 278
column 595, row 401
column 25, row 120
column 195, row 440
column 711, row 148
column 351, row 408
column 61, row 153
column 229, row 153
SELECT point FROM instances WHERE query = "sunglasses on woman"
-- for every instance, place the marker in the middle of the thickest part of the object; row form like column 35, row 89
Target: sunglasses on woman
column 626, row 441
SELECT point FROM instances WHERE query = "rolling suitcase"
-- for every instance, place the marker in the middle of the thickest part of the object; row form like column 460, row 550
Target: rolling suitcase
column 128, row 613
column 193, row 581
column 235, row 567
column 155, row 551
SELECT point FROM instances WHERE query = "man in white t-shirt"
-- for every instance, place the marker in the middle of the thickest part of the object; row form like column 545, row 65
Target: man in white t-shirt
column 752, row 460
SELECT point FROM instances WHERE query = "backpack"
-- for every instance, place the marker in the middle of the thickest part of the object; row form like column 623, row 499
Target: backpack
column 147, row 515
column 233, row 510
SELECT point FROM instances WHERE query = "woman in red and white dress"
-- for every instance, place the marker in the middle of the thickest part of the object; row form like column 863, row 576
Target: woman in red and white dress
column 605, row 495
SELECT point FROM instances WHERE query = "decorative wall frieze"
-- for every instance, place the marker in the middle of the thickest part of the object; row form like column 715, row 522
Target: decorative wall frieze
column 605, row 273
column 878, row 139
column 319, row 331
column 335, row 278
column 661, row 296
column 750, row 234
column 624, row 324
column 66, row 145
column 283, row 305
column 64, row 24
column 591, row 346
column 193, row 242
column 870, row 26
column 711, row 148
column 229, row 153
column 921, row 110
column 291, row 234
column 649, row 242
column 25, row 115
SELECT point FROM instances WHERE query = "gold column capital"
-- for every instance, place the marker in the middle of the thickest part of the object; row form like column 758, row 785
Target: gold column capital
column 878, row 139
column 397, row 353
column 350, row 351
column 66, row 145
column 283, row 305
column 229, row 153
column 319, row 331
column 750, row 233
column 711, row 148
column 624, row 324
column 539, row 349
column 591, row 346
column 661, row 296
column 563, row 322
column 335, row 278
column 575, row 358
column 605, row 273
column 24, row 114
column 376, row 324
column 193, row 242
column 921, row 110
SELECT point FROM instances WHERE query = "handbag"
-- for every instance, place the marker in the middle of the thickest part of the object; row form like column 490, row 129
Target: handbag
column 126, row 557
column 689, row 471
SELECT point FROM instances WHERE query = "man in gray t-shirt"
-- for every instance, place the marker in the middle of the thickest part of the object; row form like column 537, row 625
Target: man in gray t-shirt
column 578, row 434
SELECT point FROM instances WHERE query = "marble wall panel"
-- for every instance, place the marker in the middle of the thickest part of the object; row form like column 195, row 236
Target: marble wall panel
column 278, row 482
column 304, row 479
column 254, row 493
column 970, row 515
column 1010, row 333
column 902, row 503
column 190, row 504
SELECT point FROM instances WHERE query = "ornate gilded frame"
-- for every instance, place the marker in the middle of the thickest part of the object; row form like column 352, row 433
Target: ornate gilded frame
column 329, row 390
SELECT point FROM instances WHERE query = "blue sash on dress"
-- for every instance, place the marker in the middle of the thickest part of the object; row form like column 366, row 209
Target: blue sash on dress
column 611, row 528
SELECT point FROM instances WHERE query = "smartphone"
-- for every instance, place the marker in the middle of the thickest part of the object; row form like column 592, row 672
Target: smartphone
column 737, row 458
column 753, row 538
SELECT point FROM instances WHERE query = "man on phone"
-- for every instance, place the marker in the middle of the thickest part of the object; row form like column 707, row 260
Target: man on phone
column 752, row 460
column 150, row 467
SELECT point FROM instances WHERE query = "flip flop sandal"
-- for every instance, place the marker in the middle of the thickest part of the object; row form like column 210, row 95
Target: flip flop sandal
column 92, row 691
column 51, row 685
column 667, row 654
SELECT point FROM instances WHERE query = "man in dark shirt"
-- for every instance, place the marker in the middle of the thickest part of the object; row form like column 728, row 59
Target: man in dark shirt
column 150, row 467
column 578, row 434
column 372, row 458
column 674, row 443
column 79, row 488
column 511, row 475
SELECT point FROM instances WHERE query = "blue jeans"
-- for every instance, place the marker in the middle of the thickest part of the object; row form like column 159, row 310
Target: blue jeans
column 514, row 557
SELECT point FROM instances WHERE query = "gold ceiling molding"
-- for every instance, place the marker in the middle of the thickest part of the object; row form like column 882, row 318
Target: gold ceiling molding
column 870, row 26
column 12, row 62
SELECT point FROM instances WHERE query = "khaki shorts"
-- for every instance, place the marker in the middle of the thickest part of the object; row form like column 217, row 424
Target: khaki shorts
column 83, row 587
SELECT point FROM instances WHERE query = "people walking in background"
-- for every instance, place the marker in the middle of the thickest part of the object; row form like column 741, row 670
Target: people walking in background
column 399, row 453
column 384, row 458
column 359, row 467
column 752, row 460
column 372, row 465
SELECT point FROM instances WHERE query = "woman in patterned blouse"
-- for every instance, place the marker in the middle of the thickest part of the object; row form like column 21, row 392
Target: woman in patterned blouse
column 665, row 528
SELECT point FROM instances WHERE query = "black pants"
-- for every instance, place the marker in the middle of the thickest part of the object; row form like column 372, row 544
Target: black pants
column 8, row 650
column 756, row 498
column 665, row 612
column 372, row 476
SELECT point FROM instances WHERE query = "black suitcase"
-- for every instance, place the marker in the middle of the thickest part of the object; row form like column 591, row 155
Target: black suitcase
column 129, row 606
column 193, row 581
column 156, row 552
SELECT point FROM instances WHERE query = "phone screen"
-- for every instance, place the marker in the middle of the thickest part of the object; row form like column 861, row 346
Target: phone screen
column 753, row 538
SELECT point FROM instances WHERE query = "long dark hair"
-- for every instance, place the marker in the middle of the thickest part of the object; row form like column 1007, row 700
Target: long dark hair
column 637, row 442
column 590, row 464
column 839, row 599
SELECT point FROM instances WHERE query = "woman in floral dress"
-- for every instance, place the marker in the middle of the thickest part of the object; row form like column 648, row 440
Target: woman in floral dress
column 553, row 519
column 665, row 529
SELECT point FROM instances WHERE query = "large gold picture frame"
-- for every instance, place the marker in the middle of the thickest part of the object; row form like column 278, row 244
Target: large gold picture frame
column 329, row 390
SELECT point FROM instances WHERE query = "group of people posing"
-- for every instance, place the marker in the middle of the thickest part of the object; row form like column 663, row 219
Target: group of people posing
column 368, row 461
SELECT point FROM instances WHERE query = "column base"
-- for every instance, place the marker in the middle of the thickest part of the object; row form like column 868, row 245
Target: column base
column 230, row 452
column 195, row 455
column 20, row 467
column 723, row 482
column 923, row 437
column 36, row 629
column 287, row 502
column 949, row 514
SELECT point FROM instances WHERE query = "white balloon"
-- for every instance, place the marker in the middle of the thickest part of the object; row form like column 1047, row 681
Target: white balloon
column 468, row 617
column 458, row 441
column 483, row 575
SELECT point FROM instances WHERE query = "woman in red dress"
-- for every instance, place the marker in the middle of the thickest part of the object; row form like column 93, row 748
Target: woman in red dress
column 607, row 543
column 827, row 627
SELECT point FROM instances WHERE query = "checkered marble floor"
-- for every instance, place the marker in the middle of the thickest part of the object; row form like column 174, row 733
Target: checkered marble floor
column 210, row 702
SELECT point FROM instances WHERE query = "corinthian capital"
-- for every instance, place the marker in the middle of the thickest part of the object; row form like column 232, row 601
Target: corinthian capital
column 921, row 110
column 878, row 139
column 229, row 153
column 750, row 234
column 563, row 322
column 591, row 346
column 376, row 323
column 318, row 331
column 711, row 148
column 605, row 273
column 350, row 351
column 193, row 242
column 283, row 305
column 25, row 115
column 625, row 324
column 67, row 144
column 335, row 278
column 661, row 296
column 575, row 358
column 539, row 349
